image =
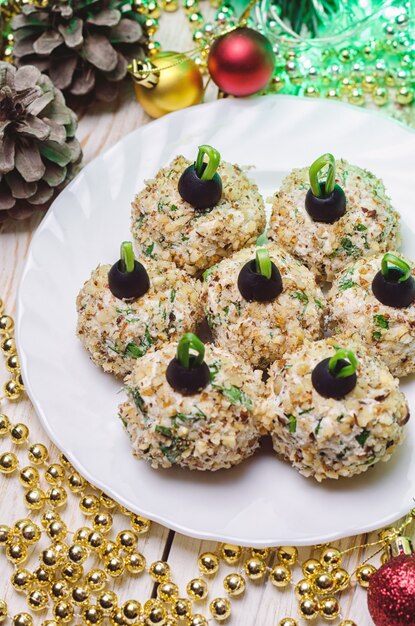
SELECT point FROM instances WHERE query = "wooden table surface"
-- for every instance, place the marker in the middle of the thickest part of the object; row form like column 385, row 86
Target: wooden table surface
column 99, row 128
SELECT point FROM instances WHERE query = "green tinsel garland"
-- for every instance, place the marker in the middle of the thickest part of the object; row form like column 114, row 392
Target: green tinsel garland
column 309, row 14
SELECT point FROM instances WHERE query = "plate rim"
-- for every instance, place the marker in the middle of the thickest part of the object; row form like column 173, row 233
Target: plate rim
column 352, row 530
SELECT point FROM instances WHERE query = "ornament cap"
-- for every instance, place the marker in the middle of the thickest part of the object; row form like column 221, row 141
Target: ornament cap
column 399, row 546
column 144, row 73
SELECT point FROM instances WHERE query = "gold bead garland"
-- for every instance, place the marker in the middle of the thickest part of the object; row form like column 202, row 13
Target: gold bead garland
column 65, row 586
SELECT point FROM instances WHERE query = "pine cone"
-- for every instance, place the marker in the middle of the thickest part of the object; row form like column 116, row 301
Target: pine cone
column 38, row 149
column 83, row 45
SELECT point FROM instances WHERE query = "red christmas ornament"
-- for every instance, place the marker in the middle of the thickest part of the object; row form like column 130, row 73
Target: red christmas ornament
column 241, row 62
column 391, row 593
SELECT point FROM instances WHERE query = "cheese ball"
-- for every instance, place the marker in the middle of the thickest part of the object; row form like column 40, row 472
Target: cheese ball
column 166, row 227
column 260, row 332
column 116, row 332
column 216, row 428
column 388, row 332
column 369, row 226
column 329, row 438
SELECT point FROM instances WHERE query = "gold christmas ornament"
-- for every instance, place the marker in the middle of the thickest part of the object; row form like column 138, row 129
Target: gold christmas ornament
column 3, row 610
column 220, row 609
column 167, row 591
column 208, row 563
column 329, row 608
column 230, row 553
column 287, row 555
column 197, row 589
column 363, row 574
column 169, row 82
column 234, row 584
column 280, row 575
column 255, row 568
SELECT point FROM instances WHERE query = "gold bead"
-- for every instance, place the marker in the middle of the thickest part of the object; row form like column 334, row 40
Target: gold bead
column 348, row 622
column 280, row 575
column 50, row 622
column 363, row 574
column 234, row 584
column 12, row 364
column 126, row 540
column 55, row 473
column 356, row 96
column 135, row 563
column 89, row 504
column 331, row 557
column 21, row 523
column 49, row 516
column 151, row 25
column 59, row 590
column 19, row 381
column 329, row 608
column 81, row 535
column 170, row 5
column 63, row 611
column 29, row 476
column 255, row 568
column 198, row 620
column 197, row 589
column 139, row 524
column 4, row 425
column 309, row 608
column 131, row 610
column 43, row 576
column 153, row 9
column 16, row 552
column 322, row 583
column 102, row 522
column 6, row 324
column 181, row 608
column 6, row 534
column 37, row 599
column 80, row 595
column 117, row 618
column 48, row 558
column 341, row 579
column 387, row 534
column 96, row 579
column 31, row 533
column 95, row 540
column 404, row 96
column 106, row 501
column 8, row 463
column 71, row 572
column 108, row 549
column 114, row 566
column 261, row 553
column 57, row 530
column 155, row 613
column 140, row 6
column 22, row 619
column 77, row 553
column 208, row 563
column 153, row 48
column 380, row 96
column 167, row 591
column 303, row 588
column 159, row 571
column 107, row 600
column 3, row 610
column 311, row 567
column 37, row 453
column 21, row 579
column 65, row 461
column 220, row 609
column 76, row 483
column 56, row 496
column 230, row 553
column 92, row 615
column 287, row 621
column 8, row 346
column 19, row 434
column 190, row 5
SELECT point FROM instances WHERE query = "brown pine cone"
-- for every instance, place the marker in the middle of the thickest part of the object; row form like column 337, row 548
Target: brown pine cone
column 38, row 149
column 83, row 45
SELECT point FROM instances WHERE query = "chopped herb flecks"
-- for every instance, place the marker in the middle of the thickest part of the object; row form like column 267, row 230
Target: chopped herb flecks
column 292, row 423
column 362, row 437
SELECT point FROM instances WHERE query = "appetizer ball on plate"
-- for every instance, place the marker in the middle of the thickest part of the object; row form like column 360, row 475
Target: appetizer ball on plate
column 198, row 411
column 126, row 310
column 195, row 214
column 334, row 411
column 261, row 302
column 328, row 224
column 374, row 299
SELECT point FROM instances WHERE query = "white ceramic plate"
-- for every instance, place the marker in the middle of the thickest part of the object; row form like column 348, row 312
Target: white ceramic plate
column 262, row 502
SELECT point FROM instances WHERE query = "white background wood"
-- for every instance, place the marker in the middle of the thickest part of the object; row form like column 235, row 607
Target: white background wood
column 100, row 126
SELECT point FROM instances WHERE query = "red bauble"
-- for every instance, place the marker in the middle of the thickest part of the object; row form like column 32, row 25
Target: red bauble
column 391, row 593
column 241, row 62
